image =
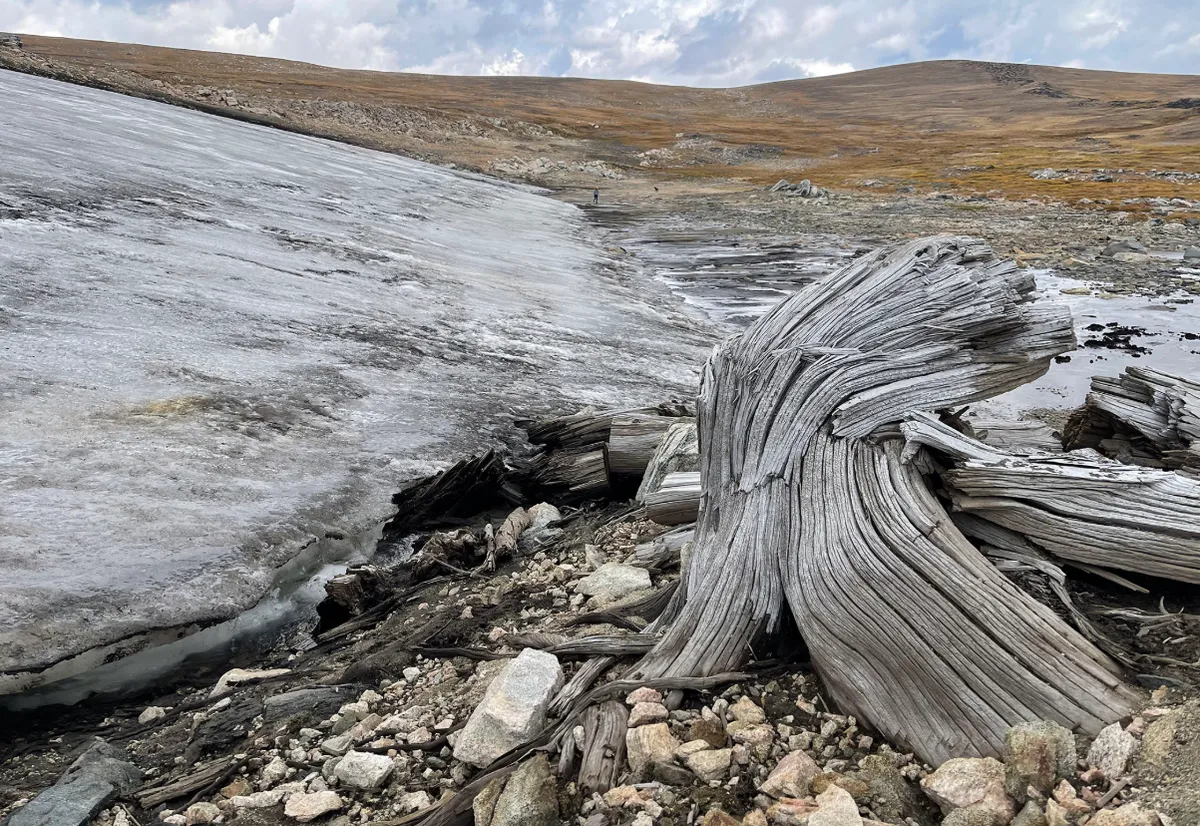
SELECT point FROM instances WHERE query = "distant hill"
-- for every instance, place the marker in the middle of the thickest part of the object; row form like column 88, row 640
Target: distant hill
column 965, row 125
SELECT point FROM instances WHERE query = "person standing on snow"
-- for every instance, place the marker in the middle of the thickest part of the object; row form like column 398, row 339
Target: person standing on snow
column 596, row 196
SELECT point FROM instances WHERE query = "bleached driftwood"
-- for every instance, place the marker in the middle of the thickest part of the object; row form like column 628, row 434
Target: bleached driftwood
column 676, row 501
column 503, row 542
column 1096, row 512
column 632, row 440
column 678, row 452
column 1143, row 416
column 1017, row 437
column 573, row 472
column 908, row 624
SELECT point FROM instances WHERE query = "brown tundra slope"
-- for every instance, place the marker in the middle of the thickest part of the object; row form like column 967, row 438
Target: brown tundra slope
column 958, row 125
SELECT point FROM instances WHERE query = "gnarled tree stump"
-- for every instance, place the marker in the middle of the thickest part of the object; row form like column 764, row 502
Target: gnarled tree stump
column 808, row 506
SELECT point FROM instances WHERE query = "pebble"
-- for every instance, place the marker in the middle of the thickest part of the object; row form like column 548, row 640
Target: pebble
column 152, row 714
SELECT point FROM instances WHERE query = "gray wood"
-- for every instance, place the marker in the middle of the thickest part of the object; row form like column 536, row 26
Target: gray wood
column 676, row 501
column 632, row 441
column 809, row 505
column 678, row 451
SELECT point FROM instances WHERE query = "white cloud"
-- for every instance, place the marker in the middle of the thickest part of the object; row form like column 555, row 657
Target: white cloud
column 698, row 42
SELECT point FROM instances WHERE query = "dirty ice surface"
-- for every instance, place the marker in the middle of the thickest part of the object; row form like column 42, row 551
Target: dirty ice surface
column 1113, row 332
column 222, row 343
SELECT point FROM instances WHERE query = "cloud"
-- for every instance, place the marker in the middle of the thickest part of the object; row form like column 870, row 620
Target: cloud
column 694, row 42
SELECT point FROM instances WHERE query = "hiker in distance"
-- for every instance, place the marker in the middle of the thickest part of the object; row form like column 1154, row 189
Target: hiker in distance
column 595, row 196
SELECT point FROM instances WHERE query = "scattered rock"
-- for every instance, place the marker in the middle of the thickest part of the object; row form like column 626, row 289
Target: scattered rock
column 1112, row 750
column 1131, row 814
column 746, row 710
column 711, row 764
column 513, row 708
column 792, row 776
column 1192, row 254
column 970, row 817
column 274, row 772
column 1038, row 755
column 792, row 811
column 363, row 770
column 717, row 817
column 754, row 817
column 259, row 800
column 305, row 807
column 530, row 797
column 1031, row 815
column 835, row 807
column 614, row 580
column 644, row 695
column 1122, row 246
column 237, row 787
column 200, row 814
column 91, row 783
column 152, row 714
column 417, row 801
column 653, row 743
column 484, row 803
column 971, row 783
column 644, row 713
column 1132, row 258
column 242, row 676
column 709, row 730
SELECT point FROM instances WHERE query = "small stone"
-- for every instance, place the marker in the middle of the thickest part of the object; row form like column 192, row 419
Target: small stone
column 754, row 817
column 717, row 817
column 835, row 807
column 648, row 744
column 644, row 713
column 691, row 747
column 412, row 674
column 747, row 711
column 1191, row 254
column 792, row 776
column 644, row 694
column 305, row 807
column 971, row 783
column 274, row 772
column 152, row 714
column 363, row 770
column 792, row 811
column 969, row 817
column 238, row 787
column 758, row 737
column 201, row 813
column 414, row 801
column 421, row 735
column 711, row 764
column 484, row 803
column 1037, row 755
column 1112, row 750
column 1031, row 815
column 627, row 797
column 709, row 730
column 1131, row 814
column 258, row 800
column 670, row 774
column 614, row 580
column 175, row 820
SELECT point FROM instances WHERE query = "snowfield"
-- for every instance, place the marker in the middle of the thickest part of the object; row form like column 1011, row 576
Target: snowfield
column 221, row 343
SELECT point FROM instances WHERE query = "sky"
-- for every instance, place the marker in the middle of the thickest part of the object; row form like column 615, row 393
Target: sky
column 687, row 42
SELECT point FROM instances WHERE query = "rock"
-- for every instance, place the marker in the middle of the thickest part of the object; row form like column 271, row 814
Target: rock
column 1192, row 254
column 274, row 772
column 199, row 814
column 1132, row 258
column 152, row 714
column 412, row 673
column 1037, row 755
column 305, row 807
column 835, row 807
column 691, row 747
column 513, row 708
column 746, row 710
column 90, row 784
column 614, row 580
column 893, row 798
column 969, row 817
column 530, row 797
column 415, row 801
column 710, row 731
column 649, row 744
column 792, row 776
column 711, row 764
column 259, row 800
column 1127, row 245
column 237, row 787
column 484, row 803
column 363, row 770
column 792, row 811
column 754, row 817
column 644, row 713
column 1112, row 750
column 644, row 695
column 717, row 817
column 1131, row 814
column 316, row 703
column 759, row 737
column 241, row 676
column 971, row 783
column 1031, row 815
column 670, row 774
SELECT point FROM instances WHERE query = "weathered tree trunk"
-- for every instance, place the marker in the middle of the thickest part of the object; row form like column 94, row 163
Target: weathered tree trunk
column 678, row 452
column 676, row 501
column 808, row 505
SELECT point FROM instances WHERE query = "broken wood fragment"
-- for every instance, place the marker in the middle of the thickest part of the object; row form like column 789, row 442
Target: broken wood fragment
column 676, row 501
column 632, row 441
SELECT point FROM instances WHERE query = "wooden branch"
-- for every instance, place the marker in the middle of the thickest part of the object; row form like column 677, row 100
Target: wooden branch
column 907, row 623
column 603, row 746
column 503, row 543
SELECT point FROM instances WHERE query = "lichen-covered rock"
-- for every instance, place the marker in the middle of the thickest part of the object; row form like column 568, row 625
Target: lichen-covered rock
column 644, row 713
column 1031, row 815
column 305, row 807
column 791, row 777
column 835, row 807
column 1112, row 750
column 614, row 580
column 1038, row 755
column 363, row 770
column 513, row 709
column 201, row 814
column 746, row 710
column 969, row 817
column 711, row 764
column 1131, row 814
column 971, row 783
